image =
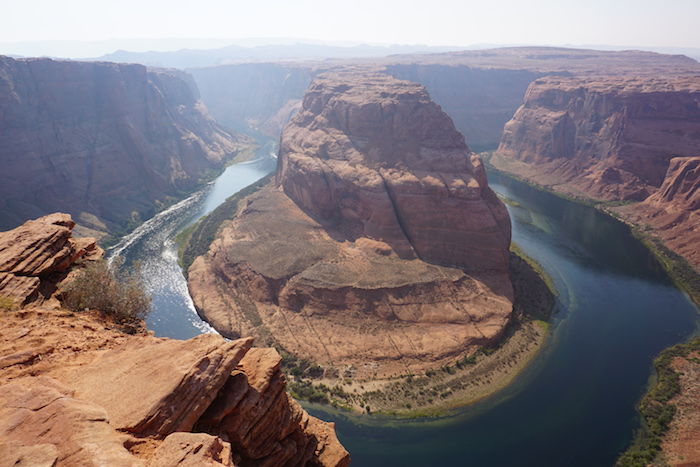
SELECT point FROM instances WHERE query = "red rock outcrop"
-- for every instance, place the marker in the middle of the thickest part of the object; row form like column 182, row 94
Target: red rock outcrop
column 674, row 210
column 78, row 392
column 33, row 256
column 394, row 250
column 377, row 155
column 75, row 391
column 100, row 141
column 607, row 138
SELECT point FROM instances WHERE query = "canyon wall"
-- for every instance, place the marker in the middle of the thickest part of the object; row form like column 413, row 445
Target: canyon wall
column 382, row 247
column 100, row 141
column 605, row 138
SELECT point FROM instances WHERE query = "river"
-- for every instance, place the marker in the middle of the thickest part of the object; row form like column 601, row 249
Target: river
column 152, row 244
column 573, row 406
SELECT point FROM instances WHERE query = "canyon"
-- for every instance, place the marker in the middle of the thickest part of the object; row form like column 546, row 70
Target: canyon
column 83, row 389
column 380, row 248
column 107, row 143
column 611, row 139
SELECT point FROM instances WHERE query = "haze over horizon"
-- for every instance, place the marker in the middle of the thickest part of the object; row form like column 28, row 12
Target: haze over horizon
column 82, row 29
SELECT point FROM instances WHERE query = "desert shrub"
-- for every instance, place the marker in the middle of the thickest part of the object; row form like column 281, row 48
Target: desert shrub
column 7, row 304
column 104, row 287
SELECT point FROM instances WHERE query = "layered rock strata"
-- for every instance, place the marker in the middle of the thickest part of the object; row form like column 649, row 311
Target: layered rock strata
column 76, row 391
column 612, row 139
column 673, row 212
column 383, row 244
column 101, row 141
column 605, row 138
column 91, row 395
column 35, row 256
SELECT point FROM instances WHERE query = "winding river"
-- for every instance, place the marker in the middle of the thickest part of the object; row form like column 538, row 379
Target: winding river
column 573, row 406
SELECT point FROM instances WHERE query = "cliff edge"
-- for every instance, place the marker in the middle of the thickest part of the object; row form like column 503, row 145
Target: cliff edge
column 77, row 391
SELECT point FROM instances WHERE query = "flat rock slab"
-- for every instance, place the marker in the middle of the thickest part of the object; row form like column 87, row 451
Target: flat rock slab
column 42, row 424
column 159, row 386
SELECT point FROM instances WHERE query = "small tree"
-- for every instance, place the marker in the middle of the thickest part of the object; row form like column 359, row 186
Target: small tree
column 103, row 287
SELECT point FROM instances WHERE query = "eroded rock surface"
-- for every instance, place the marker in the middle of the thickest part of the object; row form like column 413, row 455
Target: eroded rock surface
column 360, row 255
column 83, row 393
column 33, row 256
column 608, row 138
column 614, row 138
column 674, row 210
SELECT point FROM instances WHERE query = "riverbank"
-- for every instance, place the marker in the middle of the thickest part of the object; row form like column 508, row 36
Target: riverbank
column 448, row 385
column 683, row 274
column 664, row 439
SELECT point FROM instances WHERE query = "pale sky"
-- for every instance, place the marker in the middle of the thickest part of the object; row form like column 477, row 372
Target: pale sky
column 625, row 23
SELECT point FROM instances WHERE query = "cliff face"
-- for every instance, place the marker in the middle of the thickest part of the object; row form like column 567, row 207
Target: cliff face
column 361, row 255
column 100, row 140
column 674, row 210
column 606, row 138
column 379, row 156
column 74, row 391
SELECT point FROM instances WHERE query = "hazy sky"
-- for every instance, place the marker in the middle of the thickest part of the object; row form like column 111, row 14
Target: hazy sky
column 432, row 22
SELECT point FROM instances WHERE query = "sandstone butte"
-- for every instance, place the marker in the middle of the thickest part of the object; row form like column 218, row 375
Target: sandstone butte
column 77, row 391
column 101, row 141
column 612, row 138
column 379, row 250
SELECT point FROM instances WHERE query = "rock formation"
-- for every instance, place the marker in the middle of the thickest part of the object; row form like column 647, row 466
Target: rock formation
column 615, row 138
column 74, row 390
column 100, row 141
column 674, row 210
column 606, row 138
column 382, row 244
column 35, row 256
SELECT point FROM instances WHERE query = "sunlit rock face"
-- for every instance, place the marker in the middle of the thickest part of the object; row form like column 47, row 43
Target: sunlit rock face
column 377, row 155
column 609, row 138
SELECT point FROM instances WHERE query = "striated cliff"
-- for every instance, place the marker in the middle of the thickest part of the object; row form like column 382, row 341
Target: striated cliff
column 382, row 244
column 101, row 141
column 605, row 138
column 673, row 212
column 74, row 390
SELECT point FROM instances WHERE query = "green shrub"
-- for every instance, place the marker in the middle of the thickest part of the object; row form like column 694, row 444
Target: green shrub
column 7, row 304
column 103, row 287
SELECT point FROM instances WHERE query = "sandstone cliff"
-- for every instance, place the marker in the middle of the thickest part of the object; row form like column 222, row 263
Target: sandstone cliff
column 100, row 141
column 383, row 246
column 75, row 391
column 673, row 212
column 605, row 138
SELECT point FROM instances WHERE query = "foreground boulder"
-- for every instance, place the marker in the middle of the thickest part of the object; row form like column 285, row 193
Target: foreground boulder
column 34, row 256
column 381, row 242
column 91, row 395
